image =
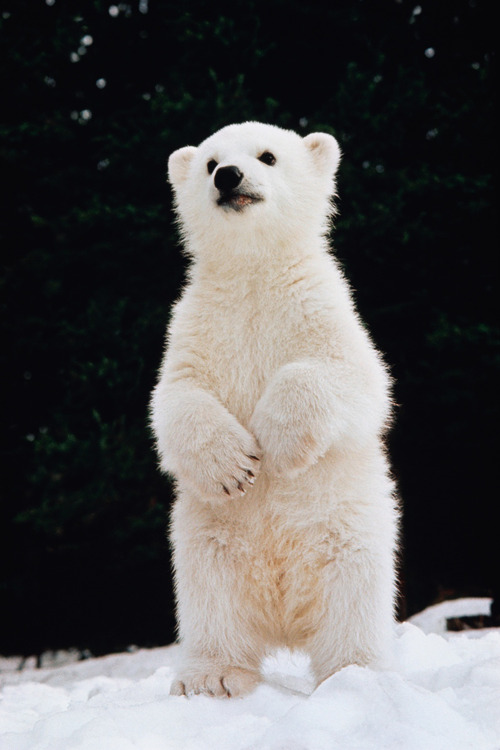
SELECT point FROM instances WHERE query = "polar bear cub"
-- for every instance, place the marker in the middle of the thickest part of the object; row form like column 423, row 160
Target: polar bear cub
column 270, row 411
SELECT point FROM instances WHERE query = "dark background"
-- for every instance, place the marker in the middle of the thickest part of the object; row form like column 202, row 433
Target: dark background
column 92, row 264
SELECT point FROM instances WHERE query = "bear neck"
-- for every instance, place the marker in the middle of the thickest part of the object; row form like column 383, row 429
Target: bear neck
column 238, row 256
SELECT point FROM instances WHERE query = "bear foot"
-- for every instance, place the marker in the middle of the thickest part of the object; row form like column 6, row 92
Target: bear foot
column 228, row 682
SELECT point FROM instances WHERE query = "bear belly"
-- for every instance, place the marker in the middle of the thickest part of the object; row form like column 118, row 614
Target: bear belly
column 278, row 571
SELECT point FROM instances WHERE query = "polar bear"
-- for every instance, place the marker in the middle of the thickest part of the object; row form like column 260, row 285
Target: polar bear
column 270, row 412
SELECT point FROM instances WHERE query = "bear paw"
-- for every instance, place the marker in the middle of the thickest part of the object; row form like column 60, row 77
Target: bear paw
column 229, row 682
column 226, row 467
column 287, row 451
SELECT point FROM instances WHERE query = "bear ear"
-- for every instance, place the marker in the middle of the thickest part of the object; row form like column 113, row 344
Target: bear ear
column 325, row 151
column 178, row 164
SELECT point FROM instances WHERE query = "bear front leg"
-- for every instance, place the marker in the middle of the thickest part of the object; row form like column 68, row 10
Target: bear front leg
column 311, row 405
column 294, row 420
column 201, row 443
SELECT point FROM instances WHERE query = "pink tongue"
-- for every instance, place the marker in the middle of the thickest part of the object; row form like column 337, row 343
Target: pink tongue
column 242, row 200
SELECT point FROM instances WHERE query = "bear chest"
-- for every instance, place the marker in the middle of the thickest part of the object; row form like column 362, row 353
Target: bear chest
column 243, row 345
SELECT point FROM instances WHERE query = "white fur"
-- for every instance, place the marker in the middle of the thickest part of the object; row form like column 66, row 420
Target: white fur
column 269, row 372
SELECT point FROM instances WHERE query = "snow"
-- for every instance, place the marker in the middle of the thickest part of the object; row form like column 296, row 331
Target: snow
column 441, row 692
column 433, row 619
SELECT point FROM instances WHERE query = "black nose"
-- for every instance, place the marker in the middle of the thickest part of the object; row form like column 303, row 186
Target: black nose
column 227, row 178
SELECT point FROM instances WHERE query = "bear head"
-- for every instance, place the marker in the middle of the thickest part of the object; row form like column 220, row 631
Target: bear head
column 253, row 185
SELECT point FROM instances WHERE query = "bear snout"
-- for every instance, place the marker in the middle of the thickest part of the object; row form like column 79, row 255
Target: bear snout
column 227, row 178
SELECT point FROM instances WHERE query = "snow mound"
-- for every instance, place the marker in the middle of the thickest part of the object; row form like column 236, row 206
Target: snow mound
column 440, row 693
column 433, row 619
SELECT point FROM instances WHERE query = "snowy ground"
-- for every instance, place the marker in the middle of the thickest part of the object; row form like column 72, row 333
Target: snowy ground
column 442, row 693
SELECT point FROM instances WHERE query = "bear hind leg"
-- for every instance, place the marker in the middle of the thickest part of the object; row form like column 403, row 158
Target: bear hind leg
column 222, row 620
column 356, row 623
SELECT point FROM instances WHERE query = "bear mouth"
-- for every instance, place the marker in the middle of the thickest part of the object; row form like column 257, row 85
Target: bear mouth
column 238, row 201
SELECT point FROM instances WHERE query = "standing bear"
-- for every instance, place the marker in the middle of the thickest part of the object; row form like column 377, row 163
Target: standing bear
column 270, row 411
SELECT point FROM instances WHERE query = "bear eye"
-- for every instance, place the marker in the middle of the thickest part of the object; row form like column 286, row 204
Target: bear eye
column 211, row 166
column 268, row 158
